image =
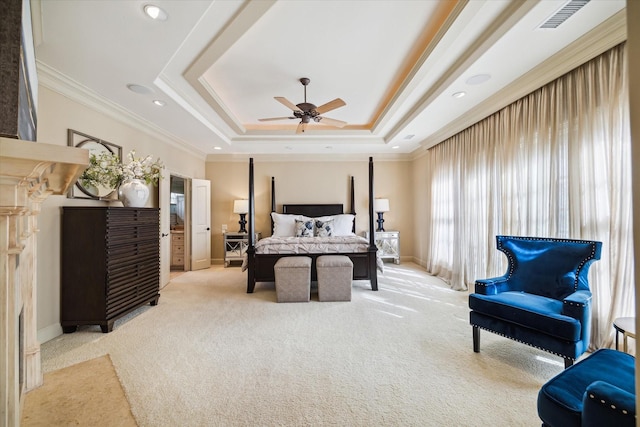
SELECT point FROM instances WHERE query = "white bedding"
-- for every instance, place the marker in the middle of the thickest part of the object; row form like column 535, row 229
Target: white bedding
column 313, row 245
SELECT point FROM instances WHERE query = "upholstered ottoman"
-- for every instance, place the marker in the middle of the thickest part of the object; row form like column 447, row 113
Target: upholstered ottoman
column 293, row 279
column 335, row 273
column 597, row 391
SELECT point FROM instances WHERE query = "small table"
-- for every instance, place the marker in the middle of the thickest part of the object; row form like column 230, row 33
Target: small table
column 235, row 246
column 626, row 326
column 388, row 244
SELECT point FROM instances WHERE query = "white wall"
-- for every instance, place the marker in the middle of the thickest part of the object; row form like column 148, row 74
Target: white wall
column 421, row 208
column 56, row 114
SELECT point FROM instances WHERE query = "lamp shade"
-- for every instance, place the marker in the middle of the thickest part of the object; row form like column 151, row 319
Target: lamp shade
column 381, row 205
column 240, row 206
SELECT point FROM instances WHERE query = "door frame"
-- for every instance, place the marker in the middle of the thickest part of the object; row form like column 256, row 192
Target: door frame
column 166, row 205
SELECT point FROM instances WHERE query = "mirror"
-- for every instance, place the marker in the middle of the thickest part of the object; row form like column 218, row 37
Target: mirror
column 95, row 146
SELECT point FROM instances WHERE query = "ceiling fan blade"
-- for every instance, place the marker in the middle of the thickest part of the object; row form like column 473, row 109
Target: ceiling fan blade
column 284, row 101
column 275, row 118
column 331, row 105
column 301, row 127
column 332, row 122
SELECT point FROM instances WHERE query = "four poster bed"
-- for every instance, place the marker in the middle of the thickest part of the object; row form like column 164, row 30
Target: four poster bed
column 261, row 256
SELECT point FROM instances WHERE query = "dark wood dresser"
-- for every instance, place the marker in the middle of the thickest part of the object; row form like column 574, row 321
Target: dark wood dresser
column 110, row 264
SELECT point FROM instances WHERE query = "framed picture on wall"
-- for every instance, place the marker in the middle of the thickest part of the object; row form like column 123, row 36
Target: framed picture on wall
column 98, row 149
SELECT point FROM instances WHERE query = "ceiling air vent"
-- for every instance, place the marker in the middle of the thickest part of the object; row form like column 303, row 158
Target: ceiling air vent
column 563, row 14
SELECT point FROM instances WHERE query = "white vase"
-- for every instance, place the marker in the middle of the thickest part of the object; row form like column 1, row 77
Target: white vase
column 134, row 193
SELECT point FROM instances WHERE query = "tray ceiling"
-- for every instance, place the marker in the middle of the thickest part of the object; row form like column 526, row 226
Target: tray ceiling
column 217, row 66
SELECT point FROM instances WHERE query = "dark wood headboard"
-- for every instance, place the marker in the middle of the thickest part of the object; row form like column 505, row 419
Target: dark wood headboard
column 313, row 210
column 308, row 209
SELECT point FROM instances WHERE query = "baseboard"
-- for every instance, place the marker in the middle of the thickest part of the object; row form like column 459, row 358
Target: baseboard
column 418, row 261
column 49, row 332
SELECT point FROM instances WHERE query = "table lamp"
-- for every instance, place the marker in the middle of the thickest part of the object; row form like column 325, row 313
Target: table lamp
column 380, row 206
column 241, row 207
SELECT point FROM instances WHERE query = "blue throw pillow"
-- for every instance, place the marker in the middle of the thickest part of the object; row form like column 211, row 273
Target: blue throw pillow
column 304, row 228
column 324, row 228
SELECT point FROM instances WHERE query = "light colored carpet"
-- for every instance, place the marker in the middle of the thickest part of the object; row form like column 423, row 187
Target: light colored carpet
column 85, row 394
column 212, row 355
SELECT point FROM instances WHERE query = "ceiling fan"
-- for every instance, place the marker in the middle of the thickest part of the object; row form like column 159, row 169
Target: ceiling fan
column 306, row 111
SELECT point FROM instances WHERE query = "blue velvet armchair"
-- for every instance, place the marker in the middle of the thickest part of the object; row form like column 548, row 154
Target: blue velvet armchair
column 543, row 299
column 597, row 391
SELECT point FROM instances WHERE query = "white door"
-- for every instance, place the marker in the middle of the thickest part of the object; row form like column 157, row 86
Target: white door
column 164, row 201
column 200, row 224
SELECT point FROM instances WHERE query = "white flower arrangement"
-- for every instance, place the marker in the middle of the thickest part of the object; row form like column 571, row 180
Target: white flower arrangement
column 105, row 170
column 142, row 168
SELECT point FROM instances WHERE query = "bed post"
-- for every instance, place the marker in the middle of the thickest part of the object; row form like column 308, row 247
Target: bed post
column 353, row 205
column 251, row 260
column 273, row 200
column 373, row 273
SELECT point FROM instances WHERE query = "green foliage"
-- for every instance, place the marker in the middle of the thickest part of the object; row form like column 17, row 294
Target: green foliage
column 105, row 170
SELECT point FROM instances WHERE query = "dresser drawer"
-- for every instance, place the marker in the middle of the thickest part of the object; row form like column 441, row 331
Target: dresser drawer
column 110, row 264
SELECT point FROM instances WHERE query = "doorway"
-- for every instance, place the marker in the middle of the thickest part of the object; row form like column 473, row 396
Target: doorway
column 179, row 223
column 185, row 225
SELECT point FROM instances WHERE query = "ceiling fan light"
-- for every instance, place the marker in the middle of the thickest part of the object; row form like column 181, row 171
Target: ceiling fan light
column 306, row 111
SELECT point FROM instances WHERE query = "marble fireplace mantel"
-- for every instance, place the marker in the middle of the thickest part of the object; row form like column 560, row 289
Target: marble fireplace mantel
column 29, row 173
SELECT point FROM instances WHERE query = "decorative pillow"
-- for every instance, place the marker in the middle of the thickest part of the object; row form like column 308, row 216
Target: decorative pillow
column 284, row 225
column 304, row 228
column 342, row 224
column 323, row 228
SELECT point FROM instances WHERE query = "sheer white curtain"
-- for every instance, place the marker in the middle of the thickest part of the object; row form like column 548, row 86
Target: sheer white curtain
column 556, row 163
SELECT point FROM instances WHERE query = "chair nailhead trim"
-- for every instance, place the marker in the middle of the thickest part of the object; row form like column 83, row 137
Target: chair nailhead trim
column 624, row 411
column 523, row 342
column 549, row 239
column 577, row 304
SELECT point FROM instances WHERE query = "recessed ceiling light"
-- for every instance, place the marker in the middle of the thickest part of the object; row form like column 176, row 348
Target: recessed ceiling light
column 155, row 13
column 217, row 148
column 459, row 94
column 478, row 79
column 159, row 102
column 395, row 146
column 139, row 88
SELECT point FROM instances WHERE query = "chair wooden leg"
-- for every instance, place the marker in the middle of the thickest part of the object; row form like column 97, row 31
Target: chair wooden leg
column 567, row 362
column 476, row 339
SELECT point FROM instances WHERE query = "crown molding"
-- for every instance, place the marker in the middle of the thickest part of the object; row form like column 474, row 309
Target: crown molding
column 418, row 153
column 497, row 29
column 279, row 158
column 602, row 38
column 66, row 86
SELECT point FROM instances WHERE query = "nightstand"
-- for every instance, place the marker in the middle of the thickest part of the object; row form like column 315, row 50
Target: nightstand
column 388, row 244
column 235, row 246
